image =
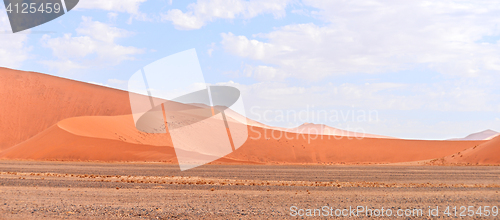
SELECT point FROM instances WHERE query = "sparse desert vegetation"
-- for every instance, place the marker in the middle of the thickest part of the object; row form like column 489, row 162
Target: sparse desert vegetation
column 71, row 190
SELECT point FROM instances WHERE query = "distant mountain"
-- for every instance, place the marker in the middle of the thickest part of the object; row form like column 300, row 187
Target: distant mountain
column 306, row 128
column 311, row 128
column 483, row 135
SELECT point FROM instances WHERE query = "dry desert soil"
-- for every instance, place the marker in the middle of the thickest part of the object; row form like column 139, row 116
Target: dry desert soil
column 83, row 190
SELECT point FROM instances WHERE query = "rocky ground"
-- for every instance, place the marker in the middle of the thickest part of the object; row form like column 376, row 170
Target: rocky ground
column 70, row 190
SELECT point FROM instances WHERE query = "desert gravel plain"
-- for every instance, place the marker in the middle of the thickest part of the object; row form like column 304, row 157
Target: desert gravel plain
column 84, row 190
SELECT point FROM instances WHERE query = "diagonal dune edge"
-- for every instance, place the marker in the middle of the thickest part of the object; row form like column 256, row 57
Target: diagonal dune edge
column 487, row 153
column 45, row 117
column 58, row 144
column 115, row 139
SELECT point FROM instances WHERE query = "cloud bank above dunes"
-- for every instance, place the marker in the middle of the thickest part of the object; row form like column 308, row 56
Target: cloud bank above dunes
column 454, row 38
column 430, row 68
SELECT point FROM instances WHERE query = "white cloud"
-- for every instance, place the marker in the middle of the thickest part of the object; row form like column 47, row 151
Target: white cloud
column 183, row 21
column 210, row 51
column 13, row 48
column 100, row 31
column 204, row 11
column 112, row 16
column 380, row 36
column 242, row 46
column 264, row 73
column 359, row 40
column 129, row 6
column 404, row 97
column 94, row 46
column 67, row 47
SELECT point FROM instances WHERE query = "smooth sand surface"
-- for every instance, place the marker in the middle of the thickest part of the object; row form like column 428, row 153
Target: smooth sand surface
column 271, row 146
column 116, row 139
column 483, row 154
column 51, row 118
column 33, row 102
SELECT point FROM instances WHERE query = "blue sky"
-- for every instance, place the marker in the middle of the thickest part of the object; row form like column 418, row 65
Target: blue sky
column 430, row 69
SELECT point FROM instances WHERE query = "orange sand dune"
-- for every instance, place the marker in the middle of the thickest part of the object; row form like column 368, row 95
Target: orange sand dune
column 114, row 138
column 117, row 128
column 38, row 121
column 97, row 138
column 484, row 154
column 55, row 143
column 32, row 102
column 271, row 146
